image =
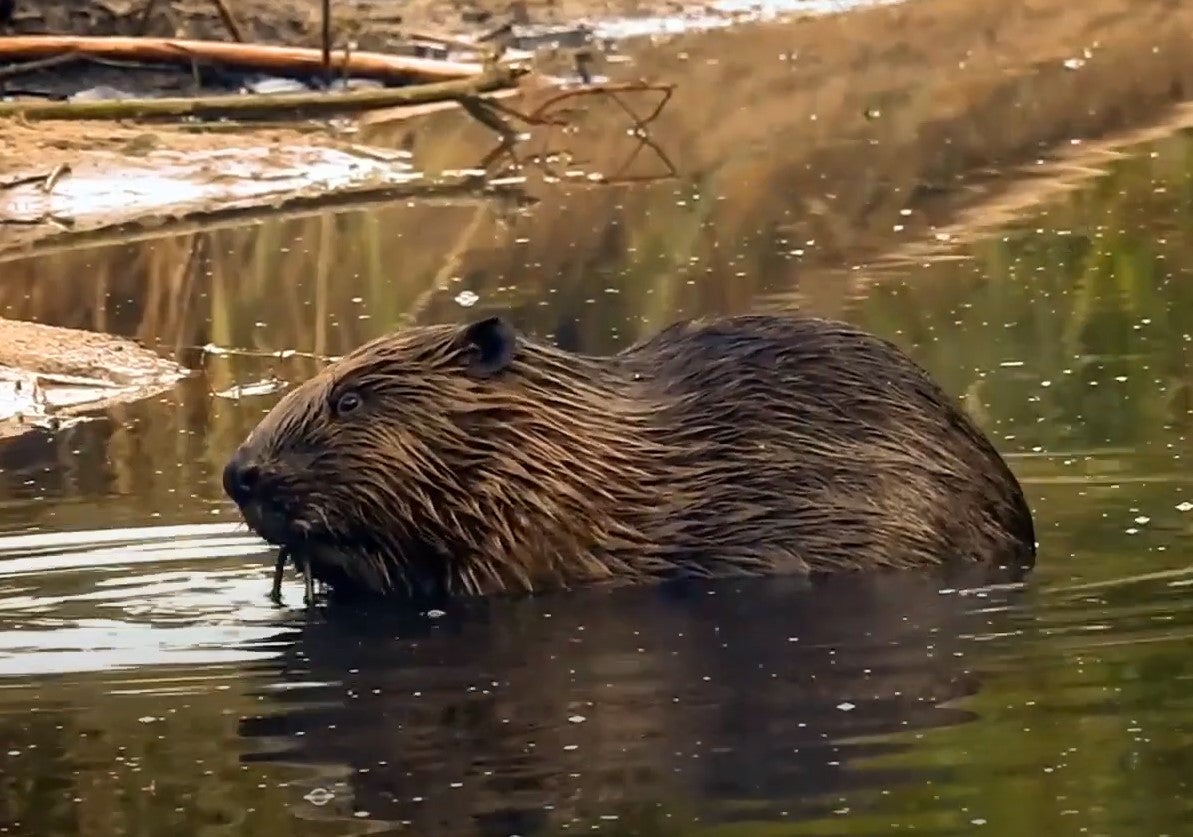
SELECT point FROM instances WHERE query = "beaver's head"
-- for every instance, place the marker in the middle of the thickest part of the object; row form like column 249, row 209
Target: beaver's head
column 440, row 459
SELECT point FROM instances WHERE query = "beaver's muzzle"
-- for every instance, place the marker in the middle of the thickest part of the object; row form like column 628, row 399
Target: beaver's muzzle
column 260, row 489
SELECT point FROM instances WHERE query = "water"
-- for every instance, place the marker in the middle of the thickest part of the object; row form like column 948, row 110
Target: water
column 147, row 686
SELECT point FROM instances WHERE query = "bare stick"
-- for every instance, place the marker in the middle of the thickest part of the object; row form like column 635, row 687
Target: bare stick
column 52, row 180
column 610, row 90
column 249, row 106
column 228, row 20
column 327, row 42
column 39, row 64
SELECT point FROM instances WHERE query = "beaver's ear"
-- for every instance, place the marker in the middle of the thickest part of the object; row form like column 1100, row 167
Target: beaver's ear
column 490, row 346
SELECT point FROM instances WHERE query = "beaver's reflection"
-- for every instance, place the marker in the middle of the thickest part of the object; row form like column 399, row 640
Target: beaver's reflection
column 749, row 699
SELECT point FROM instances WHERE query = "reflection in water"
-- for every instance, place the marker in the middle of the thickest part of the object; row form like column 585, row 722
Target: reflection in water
column 146, row 686
column 742, row 702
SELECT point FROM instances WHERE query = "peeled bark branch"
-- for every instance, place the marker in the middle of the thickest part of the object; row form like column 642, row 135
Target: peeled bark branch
column 263, row 57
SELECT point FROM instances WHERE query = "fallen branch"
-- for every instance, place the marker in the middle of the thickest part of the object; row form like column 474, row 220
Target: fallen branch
column 264, row 57
column 495, row 116
column 247, row 106
column 455, row 191
column 34, row 66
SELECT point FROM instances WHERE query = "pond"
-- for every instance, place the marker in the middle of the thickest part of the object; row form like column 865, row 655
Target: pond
column 147, row 685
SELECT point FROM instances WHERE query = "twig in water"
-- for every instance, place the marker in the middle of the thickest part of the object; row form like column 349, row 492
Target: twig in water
column 492, row 114
column 644, row 141
column 610, row 90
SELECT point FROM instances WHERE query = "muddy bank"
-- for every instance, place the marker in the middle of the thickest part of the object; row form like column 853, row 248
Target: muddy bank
column 130, row 179
column 872, row 124
column 49, row 375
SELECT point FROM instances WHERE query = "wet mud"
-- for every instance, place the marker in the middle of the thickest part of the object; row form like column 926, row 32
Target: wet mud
column 49, row 375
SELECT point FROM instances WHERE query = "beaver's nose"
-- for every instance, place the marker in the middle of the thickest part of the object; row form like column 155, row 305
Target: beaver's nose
column 241, row 476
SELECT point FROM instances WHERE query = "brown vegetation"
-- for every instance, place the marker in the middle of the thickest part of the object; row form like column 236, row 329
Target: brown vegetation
column 849, row 122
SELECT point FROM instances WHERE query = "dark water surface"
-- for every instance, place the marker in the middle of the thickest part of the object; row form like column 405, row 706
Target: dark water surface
column 148, row 687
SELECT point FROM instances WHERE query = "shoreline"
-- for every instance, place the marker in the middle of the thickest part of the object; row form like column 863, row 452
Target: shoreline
column 1019, row 95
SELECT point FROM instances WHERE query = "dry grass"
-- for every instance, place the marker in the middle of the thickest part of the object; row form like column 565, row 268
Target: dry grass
column 828, row 129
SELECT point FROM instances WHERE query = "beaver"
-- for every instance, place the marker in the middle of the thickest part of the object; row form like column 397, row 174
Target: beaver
column 471, row 460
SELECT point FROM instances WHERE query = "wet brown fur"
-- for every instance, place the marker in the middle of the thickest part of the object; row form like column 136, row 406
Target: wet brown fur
column 740, row 446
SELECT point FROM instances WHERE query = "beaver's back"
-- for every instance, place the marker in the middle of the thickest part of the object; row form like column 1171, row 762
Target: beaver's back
column 812, row 443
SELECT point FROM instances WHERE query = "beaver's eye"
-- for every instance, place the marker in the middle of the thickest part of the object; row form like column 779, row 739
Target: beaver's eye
column 348, row 402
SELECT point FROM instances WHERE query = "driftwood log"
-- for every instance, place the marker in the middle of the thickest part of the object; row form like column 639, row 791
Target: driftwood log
column 242, row 106
column 401, row 69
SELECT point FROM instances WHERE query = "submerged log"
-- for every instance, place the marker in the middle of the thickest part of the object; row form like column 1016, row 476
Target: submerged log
column 284, row 60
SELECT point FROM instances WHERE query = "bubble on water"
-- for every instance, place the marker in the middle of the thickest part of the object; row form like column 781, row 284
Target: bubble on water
column 1185, row 506
column 466, row 299
column 577, row 719
column 846, row 706
column 319, row 796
